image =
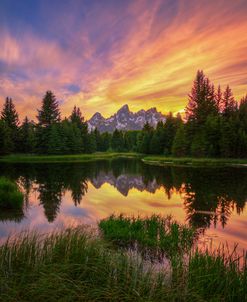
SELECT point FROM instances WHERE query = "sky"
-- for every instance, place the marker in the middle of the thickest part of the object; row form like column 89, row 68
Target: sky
column 102, row 54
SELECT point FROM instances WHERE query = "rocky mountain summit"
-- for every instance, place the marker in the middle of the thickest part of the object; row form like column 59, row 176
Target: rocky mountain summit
column 124, row 119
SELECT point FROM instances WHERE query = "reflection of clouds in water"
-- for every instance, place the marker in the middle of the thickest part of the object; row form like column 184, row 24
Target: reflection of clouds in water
column 75, row 212
column 65, row 195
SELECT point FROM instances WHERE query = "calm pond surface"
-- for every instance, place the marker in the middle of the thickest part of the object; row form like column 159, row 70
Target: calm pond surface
column 60, row 195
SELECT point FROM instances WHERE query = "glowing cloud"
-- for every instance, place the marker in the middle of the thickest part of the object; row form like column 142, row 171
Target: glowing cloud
column 101, row 55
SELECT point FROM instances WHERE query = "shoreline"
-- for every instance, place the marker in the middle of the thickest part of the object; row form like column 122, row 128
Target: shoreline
column 163, row 161
column 156, row 160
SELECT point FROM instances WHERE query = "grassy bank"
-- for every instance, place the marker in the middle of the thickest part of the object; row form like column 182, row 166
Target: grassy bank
column 159, row 160
column 189, row 161
column 80, row 158
column 77, row 265
column 10, row 195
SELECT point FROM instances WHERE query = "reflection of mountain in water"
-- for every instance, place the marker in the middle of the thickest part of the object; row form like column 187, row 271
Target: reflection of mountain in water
column 124, row 183
column 209, row 195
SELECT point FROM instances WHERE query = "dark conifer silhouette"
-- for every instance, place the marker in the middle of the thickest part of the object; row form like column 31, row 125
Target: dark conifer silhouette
column 49, row 112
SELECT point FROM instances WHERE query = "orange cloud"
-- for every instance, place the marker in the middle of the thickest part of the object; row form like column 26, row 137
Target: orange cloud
column 148, row 56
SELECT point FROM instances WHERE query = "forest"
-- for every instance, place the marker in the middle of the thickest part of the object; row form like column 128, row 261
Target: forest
column 214, row 125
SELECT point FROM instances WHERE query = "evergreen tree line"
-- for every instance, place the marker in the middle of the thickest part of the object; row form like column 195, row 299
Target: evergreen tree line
column 215, row 125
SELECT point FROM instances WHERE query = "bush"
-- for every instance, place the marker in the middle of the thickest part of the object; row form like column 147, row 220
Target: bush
column 10, row 195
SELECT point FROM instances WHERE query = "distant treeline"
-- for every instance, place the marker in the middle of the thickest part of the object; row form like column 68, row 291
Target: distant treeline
column 215, row 125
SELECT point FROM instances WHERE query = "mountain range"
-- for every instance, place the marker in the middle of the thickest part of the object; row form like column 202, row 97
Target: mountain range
column 124, row 119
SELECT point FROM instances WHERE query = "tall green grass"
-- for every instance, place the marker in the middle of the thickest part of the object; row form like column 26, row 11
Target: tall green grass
column 10, row 195
column 219, row 275
column 157, row 234
column 76, row 265
column 72, row 265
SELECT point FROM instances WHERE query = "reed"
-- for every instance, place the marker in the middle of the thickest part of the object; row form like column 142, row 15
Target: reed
column 78, row 265
column 158, row 234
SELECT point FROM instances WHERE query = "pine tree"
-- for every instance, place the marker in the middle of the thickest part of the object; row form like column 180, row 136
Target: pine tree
column 212, row 136
column 170, row 128
column 106, row 141
column 76, row 116
column 27, row 139
column 228, row 103
column 117, row 142
column 49, row 112
column 98, row 139
column 179, row 146
column 130, row 140
column 6, row 142
column 242, row 112
column 55, row 145
column 10, row 115
column 91, row 143
column 155, row 146
column 218, row 99
column 201, row 100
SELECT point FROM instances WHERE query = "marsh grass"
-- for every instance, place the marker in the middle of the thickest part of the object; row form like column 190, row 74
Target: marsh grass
column 76, row 265
column 10, row 195
column 154, row 236
column 218, row 275
column 72, row 265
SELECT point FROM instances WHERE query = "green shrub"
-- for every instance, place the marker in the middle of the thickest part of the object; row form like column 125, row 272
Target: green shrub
column 10, row 195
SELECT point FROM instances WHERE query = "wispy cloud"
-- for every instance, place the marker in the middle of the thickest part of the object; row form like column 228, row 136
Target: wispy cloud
column 144, row 53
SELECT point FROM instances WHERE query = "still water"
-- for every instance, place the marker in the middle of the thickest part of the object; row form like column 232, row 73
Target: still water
column 59, row 195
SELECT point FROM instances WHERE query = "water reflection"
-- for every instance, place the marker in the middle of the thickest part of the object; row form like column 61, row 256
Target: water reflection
column 209, row 196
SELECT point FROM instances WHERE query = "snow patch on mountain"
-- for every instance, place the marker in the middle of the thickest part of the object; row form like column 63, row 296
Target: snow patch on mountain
column 124, row 119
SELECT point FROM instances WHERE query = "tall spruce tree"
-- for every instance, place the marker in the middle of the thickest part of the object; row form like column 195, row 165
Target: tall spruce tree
column 10, row 116
column 228, row 103
column 218, row 99
column 27, row 138
column 201, row 100
column 243, row 113
column 6, row 143
column 76, row 116
column 49, row 112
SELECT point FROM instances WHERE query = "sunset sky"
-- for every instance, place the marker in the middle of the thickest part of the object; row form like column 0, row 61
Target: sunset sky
column 102, row 54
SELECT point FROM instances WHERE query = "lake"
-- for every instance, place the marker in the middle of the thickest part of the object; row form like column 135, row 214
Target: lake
column 59, row 195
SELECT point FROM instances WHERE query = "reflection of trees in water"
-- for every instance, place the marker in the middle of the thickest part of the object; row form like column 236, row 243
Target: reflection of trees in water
column 11, row 215
column 52, row 182
column 212, row 194
column 209, row 194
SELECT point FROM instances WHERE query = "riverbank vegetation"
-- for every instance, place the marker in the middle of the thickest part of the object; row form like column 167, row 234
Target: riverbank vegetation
column 214, row 126
column 161, row 160
column 77, row 265
column 157, row 160
column 151, row 235
column 10, row 195
column 79, row 158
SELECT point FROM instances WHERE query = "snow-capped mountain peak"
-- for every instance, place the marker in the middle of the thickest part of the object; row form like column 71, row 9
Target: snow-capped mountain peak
column 124, row 119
